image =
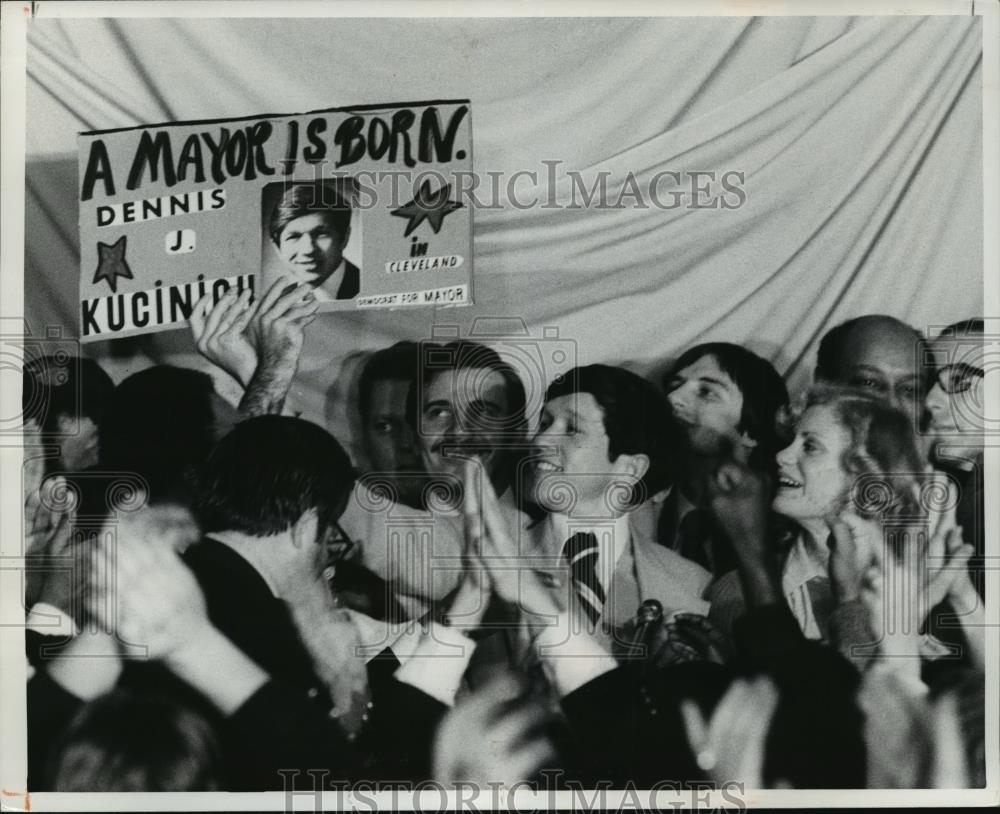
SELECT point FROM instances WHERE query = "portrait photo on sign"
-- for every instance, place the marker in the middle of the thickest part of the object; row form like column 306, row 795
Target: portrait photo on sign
column 312, row 234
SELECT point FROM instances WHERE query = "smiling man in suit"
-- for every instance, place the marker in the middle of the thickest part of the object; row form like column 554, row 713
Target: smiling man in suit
column 310, row 227
column 601, row 450
column 571, row 583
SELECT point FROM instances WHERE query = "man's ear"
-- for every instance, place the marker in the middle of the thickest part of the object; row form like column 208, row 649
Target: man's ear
column 305, row 530
column 635, row 464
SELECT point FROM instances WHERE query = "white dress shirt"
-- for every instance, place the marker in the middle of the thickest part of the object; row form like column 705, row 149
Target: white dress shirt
column 327, row 292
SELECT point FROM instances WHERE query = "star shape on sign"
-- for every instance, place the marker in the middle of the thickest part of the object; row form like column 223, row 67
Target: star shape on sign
column 429, row 206
column 111, row 263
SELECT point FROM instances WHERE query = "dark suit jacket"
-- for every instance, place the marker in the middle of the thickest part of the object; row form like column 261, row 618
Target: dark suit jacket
column 699, row 539
column 295, row 709
column 645, row 570
column 286, row 725
column 350, row 285
column 627, row 727
column 241, row 606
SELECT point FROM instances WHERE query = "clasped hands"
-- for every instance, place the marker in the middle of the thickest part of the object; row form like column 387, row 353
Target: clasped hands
column 495, row 567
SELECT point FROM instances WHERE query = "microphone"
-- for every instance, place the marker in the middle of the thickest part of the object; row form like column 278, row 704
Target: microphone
column 650, row 614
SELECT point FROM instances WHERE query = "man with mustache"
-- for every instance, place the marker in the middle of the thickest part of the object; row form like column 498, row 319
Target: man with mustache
column 461, row 399
column 469, row 403
column 465, row 403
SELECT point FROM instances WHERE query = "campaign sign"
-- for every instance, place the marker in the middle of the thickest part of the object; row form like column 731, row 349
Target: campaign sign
column 362, row 203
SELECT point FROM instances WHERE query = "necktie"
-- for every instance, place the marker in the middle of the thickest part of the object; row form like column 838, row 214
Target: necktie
column 580, row 551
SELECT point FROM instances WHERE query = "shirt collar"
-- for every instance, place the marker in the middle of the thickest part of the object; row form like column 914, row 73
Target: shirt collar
column 804, row 562
column 327, row 292
column 684, row 506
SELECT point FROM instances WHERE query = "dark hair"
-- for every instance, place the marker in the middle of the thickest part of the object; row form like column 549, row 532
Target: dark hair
column 831, row 346
column 161, row 426
column 464, row 354
column 312, row 198
column 124, row 741
column 974, row 326
column 270, row 470
column 60, row 385
column 635, row 418
column 397, row 362
column 963, row 329
column 764, row 394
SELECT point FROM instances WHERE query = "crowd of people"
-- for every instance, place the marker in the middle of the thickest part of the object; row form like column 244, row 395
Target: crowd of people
column 691, row 580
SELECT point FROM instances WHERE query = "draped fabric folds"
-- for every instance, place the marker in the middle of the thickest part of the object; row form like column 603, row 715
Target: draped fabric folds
column 859, row 141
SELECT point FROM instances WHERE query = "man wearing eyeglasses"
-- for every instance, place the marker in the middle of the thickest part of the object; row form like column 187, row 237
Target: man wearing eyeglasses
column 269, row 500
column 887, row 357
column 269, row 497
column 956, row 426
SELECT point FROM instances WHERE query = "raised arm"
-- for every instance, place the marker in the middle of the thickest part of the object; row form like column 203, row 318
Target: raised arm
column 570, row 655
column 155, row 609
column 739, row 500
column 277, row 330
column 219, row 333
column 258, row 344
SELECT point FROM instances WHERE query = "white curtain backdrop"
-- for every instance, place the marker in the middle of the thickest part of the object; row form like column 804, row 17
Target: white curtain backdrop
column 860, row 140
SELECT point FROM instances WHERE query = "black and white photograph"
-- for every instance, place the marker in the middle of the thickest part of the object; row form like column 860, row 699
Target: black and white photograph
column 491, row 407
column 308, row 227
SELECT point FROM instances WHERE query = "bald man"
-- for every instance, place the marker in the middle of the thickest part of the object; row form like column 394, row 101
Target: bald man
column 878, row 353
